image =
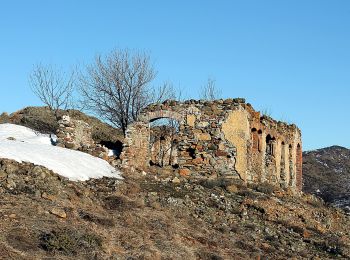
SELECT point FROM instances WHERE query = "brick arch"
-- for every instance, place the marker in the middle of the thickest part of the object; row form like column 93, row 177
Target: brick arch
column 158, row 114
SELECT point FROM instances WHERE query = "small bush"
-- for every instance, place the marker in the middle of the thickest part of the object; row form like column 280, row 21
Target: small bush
column 69, row 242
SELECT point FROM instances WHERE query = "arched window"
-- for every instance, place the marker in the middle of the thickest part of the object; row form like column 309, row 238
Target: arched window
column 255, row 140
column 259, row 140
column 270, row 145
column 283, row 162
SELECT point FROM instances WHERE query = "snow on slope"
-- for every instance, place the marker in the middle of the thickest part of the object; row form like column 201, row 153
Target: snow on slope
column 36, row 148
column 23, row 134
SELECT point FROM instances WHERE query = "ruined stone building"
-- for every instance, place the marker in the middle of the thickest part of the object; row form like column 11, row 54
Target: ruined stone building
column 217, row 138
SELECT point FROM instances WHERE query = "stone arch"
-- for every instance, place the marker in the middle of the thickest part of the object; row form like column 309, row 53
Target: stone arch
column 255, row 140
column 270, row 159
column 158, row 114
column 136, row 151
column 163, row 142
column 270, row 146
column 256, row 158
column 259, row 140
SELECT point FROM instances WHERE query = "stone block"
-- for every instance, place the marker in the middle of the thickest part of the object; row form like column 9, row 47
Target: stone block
column 191, row 119
column 202, row 124
column 202, row 136
column 69, row 145
column 221, row 153
column 198, row 160
column 184, row 172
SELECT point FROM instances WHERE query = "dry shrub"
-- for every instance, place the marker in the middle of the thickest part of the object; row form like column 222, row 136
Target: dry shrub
column 69, row 242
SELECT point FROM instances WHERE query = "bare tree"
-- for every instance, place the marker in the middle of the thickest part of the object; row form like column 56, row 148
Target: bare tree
column 209, row 91
column 52, row 86
column 117, row 87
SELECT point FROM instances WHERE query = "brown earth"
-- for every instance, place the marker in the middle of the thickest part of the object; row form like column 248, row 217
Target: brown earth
column 151, row 215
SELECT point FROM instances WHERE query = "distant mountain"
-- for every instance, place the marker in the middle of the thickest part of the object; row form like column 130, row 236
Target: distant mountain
column 327, row 174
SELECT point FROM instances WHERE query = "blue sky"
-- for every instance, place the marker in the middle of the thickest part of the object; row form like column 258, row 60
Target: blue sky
column 289, row 57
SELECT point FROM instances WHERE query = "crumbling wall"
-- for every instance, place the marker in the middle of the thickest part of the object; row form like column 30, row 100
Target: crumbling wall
column 222, row 138
column 77, row 135
column 74, row 134
column 136, row 146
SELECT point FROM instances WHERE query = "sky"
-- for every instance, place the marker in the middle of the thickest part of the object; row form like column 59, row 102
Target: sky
column 290, row 58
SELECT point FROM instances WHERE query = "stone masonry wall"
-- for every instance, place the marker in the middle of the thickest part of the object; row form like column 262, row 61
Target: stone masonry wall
column 77, row 135
column 222, row 138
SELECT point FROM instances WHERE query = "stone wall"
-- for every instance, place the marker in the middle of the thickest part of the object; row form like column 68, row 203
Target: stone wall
column 221, row 138
column 74, row 134
column 77, row 135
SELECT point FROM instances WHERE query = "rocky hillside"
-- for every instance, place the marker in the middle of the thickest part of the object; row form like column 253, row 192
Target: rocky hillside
column 153, row 216
column 326, row 173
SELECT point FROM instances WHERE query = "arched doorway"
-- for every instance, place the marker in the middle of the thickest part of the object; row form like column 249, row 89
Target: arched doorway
column 163, row 142
column 139, row 142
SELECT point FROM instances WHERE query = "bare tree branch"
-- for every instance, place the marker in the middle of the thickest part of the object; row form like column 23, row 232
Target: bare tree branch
column 209, row 91
column 53, row 87
column 117, row 87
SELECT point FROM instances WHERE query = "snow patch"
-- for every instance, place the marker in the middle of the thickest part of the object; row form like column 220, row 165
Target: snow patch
column 26, row 145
